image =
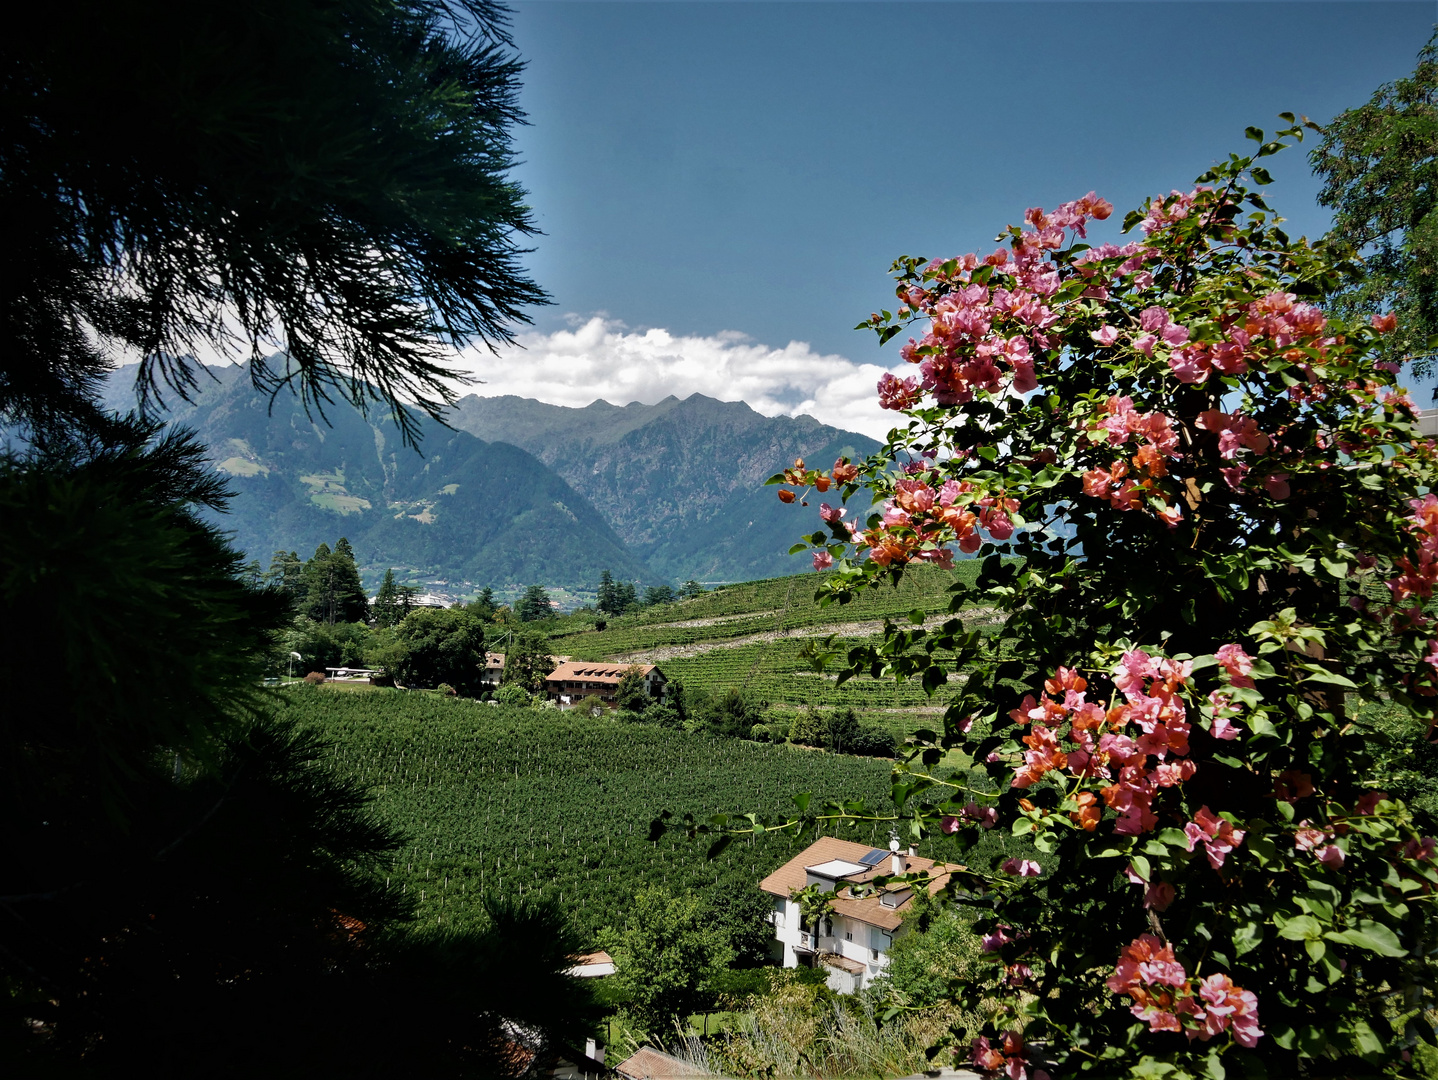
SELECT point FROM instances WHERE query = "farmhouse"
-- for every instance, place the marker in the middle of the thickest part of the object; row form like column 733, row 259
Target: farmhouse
column 493, row 670
column 853, row 941
column 577, row 679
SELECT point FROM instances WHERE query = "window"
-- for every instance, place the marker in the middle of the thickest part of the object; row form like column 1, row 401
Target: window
column 874, row 954
column 848, row 937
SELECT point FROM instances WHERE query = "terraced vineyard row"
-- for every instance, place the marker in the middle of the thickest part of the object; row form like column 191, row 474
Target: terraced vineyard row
column 777, row 672
column 525, row 801
column 762, row 607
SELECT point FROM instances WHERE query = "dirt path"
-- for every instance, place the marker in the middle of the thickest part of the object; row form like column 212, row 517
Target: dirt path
column 719, row 620
column 851, row 629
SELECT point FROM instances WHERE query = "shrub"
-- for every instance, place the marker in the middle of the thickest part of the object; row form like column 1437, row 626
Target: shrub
column 314, row 678
column 1227, row 540
column 512, row 694
column 447, row 690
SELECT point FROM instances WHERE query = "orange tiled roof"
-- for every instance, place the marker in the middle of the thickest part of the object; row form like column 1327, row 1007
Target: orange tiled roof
column 651, row 1064
column 600, row 957
column 594, row 672
column 866, row 909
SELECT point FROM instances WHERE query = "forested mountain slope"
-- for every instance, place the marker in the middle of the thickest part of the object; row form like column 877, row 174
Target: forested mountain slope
column 462, row 509
column 679, row 481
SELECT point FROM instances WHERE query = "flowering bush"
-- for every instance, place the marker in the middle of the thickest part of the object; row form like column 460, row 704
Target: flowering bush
column 1207, row 533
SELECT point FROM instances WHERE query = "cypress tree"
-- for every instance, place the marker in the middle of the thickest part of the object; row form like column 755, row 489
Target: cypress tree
column 351, row 603
column 386, row 602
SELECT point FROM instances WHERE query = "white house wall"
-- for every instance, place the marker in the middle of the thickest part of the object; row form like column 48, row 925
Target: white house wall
column 851, row 939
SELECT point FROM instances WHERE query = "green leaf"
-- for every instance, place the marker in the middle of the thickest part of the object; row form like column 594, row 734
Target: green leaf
column 1301, row 928
column 1247, row 937
column 1371, row 936
column 1337, row 567
column 798, row 548
column 1323, row 675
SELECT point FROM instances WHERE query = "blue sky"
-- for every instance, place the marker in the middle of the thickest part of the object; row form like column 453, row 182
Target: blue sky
column 717, row 181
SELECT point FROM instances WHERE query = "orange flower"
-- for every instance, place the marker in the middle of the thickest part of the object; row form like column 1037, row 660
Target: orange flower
column 1087, row 815
column 785, row 495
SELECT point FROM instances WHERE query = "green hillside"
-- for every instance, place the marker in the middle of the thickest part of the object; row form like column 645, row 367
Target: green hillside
column 757, row 637
column 770, row 606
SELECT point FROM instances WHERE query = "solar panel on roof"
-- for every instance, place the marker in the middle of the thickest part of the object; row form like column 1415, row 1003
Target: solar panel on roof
column 874, row 858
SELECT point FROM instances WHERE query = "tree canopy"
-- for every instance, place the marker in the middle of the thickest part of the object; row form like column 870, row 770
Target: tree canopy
column 441, row 646
column 327, row 178
column 1379, row 164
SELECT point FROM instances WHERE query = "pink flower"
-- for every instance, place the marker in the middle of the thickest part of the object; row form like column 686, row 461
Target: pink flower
column 1145, row 344
column 1021, row 867
column 1217, row 836
column 1223, row 729
column 1330, row 855
column 1153, row 319
column 898, row 394
column 829, row 514
column 1234, row 474
column 1385, row 324
column 823, row 560
column 986, row 817
column 1276, row 484
column 995, row 941
column 1159, row 896
column 1105, row 335
column 1237, row 663
column 1369, row 800
column 1420, row 850
column 1134, row 666
column 949, row 824
column 1190, row 365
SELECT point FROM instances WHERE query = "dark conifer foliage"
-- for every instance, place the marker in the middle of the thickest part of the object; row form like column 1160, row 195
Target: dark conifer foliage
column 329, row 178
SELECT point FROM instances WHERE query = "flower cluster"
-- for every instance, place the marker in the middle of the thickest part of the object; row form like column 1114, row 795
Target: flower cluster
column 800, row 476
column 1006, row 1056
column 921, row 519
column 1130, row 484
column 1167, row 999
column 992, row 314
column 1140, row 744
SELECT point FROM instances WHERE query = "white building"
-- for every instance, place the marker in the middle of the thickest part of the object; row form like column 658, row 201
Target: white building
column 853, row 942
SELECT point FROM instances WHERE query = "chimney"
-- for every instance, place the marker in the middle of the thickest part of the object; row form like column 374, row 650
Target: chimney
column 896, row 861
column 913, row 851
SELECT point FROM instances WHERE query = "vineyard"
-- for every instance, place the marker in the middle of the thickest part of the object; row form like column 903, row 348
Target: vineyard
column 534, row 801
column 774, row 606
column 779, row 672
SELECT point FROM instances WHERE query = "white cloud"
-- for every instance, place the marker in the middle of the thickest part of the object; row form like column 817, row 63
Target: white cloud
column 602, row 358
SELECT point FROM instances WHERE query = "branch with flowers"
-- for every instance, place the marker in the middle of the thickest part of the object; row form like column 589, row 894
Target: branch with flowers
column 1203, row 507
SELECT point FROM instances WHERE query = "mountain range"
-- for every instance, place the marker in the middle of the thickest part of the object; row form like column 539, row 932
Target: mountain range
column 515, row 491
